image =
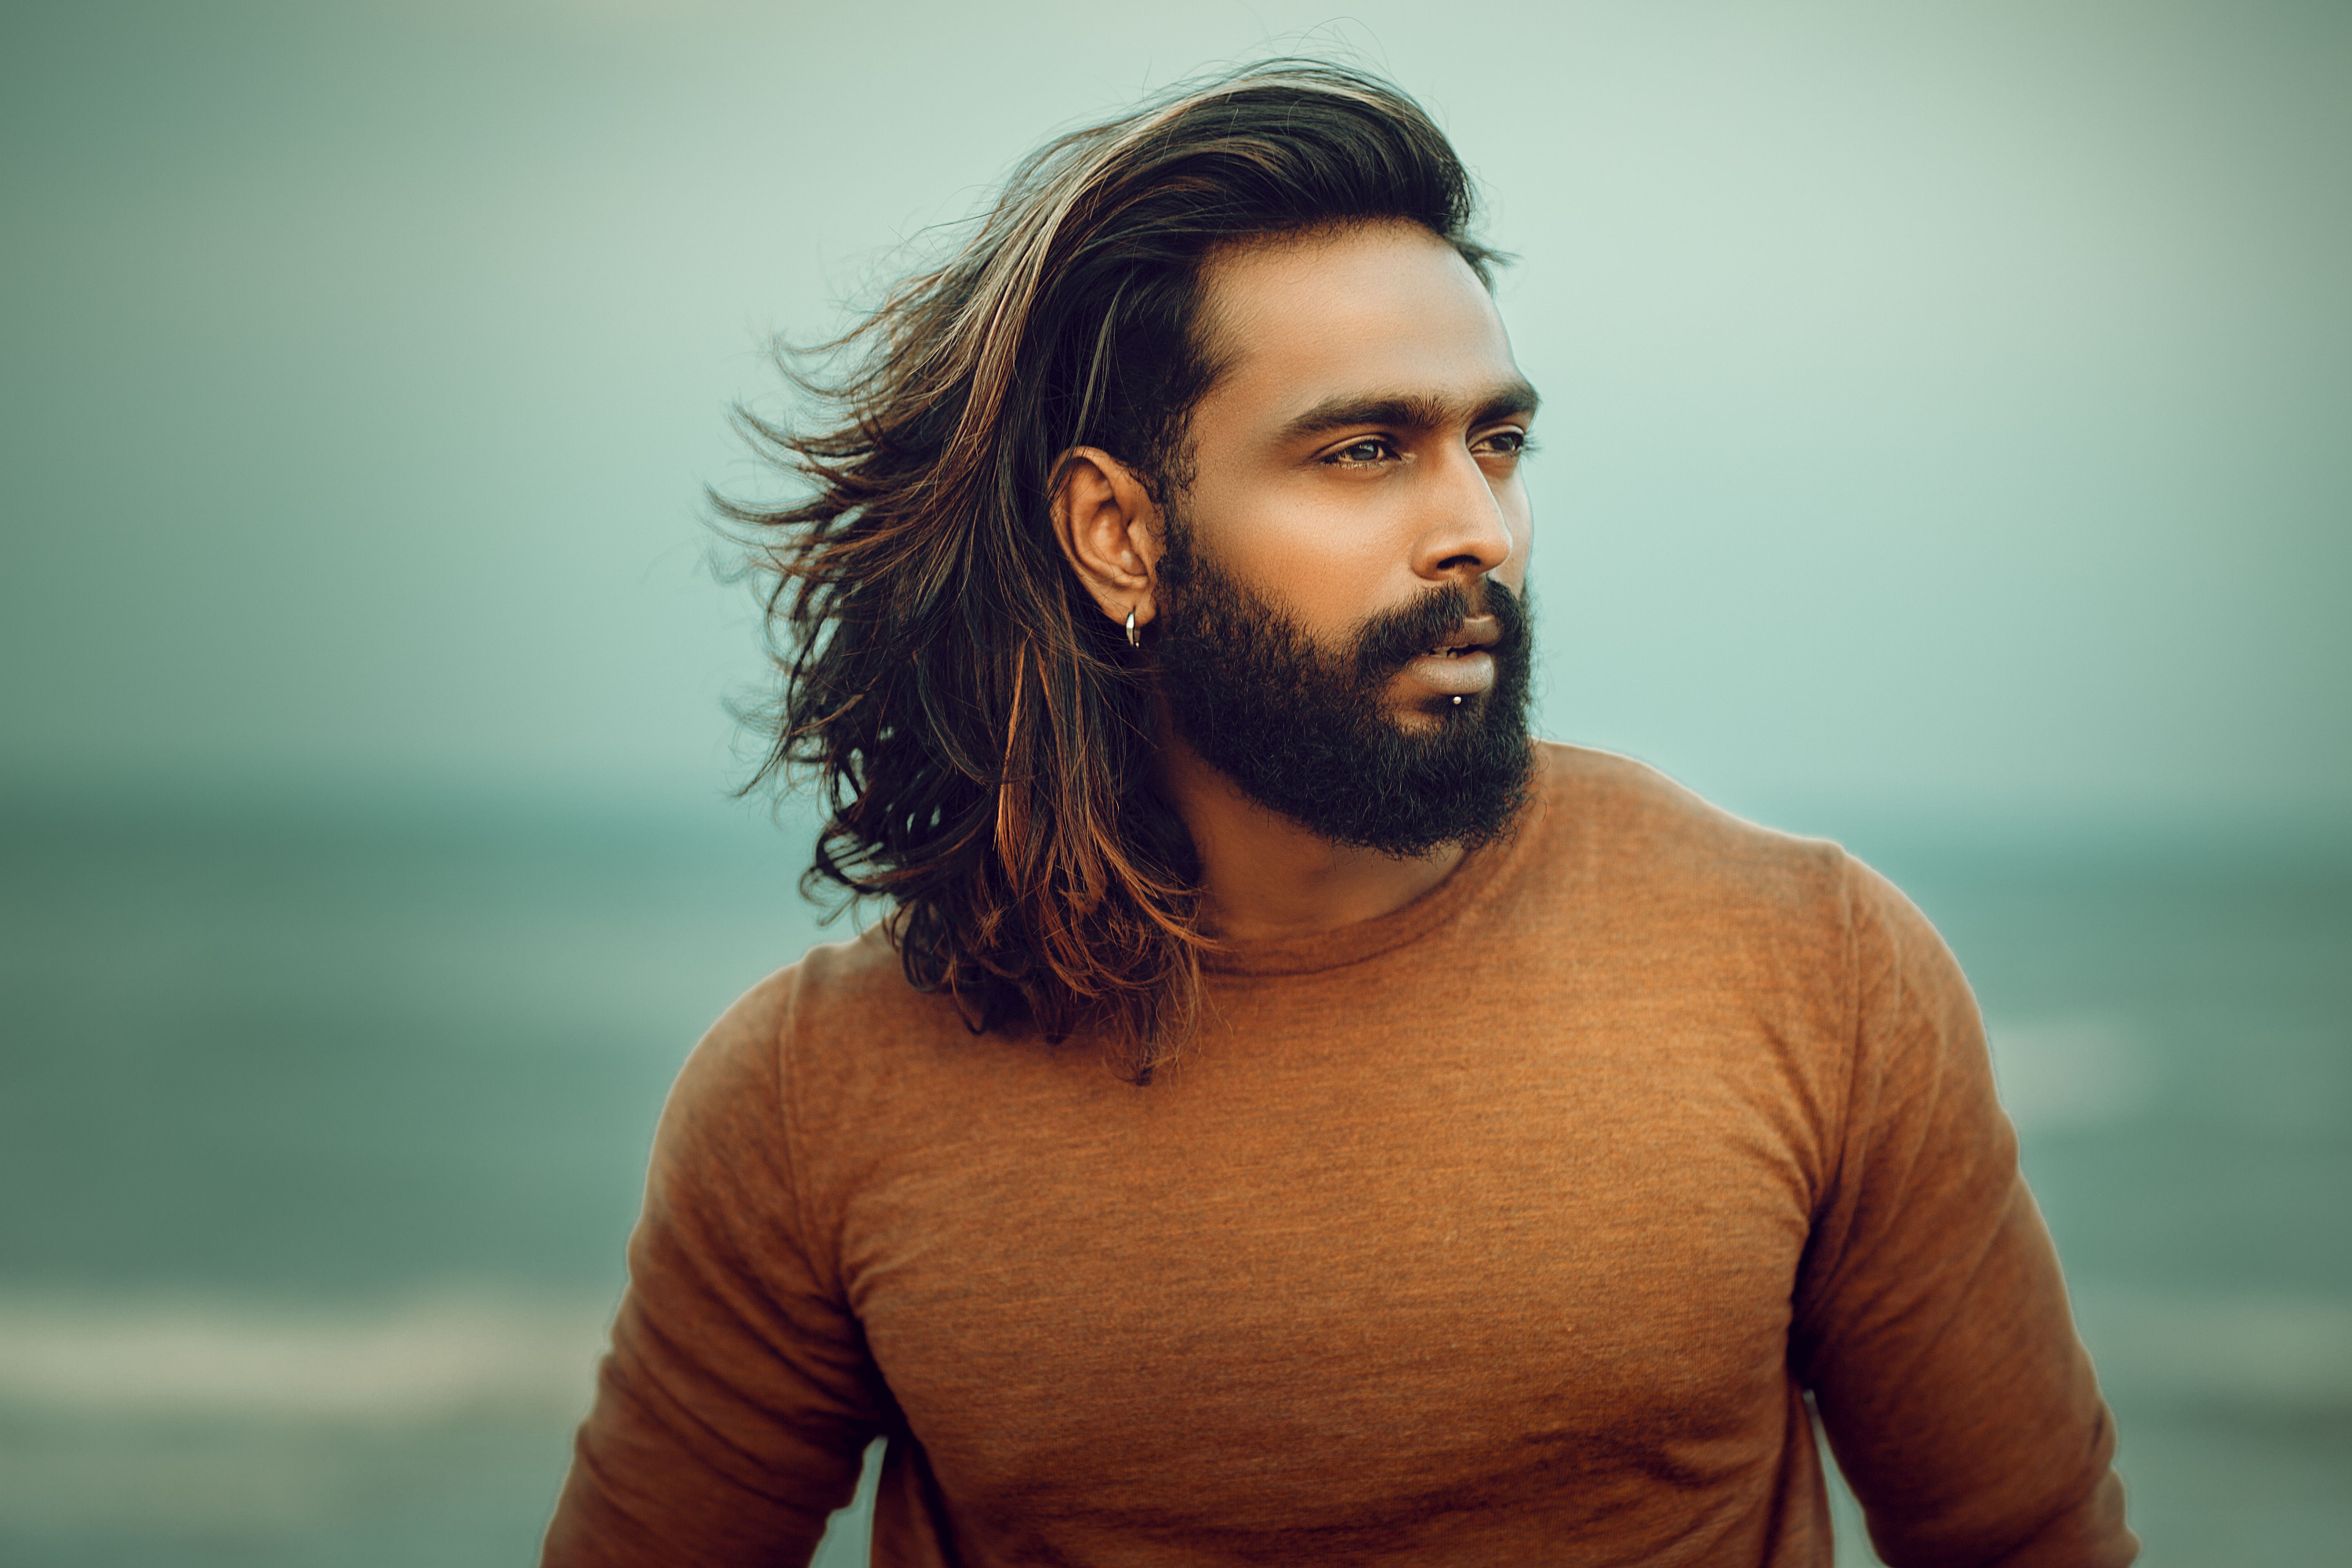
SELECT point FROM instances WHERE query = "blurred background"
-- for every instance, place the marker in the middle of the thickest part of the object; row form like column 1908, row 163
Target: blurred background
column 1948, row 450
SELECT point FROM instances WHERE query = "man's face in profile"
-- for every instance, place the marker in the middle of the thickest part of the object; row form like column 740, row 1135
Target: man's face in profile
column 1342, row 633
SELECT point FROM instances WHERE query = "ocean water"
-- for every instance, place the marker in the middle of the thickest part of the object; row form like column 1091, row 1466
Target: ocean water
column 320, row 1136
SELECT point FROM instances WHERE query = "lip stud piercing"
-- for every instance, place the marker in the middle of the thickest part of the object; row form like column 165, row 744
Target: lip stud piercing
column 1457, row 702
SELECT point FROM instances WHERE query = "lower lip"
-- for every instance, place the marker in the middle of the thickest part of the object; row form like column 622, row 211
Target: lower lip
column 1453, row 675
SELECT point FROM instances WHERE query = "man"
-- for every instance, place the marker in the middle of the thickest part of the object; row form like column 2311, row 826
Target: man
column 1286, row 1116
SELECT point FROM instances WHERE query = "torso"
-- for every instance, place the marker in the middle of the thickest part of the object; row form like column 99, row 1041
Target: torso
column 1475, row 1227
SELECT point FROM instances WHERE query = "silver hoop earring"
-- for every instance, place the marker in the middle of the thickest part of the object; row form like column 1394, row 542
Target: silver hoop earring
column 1134, row 638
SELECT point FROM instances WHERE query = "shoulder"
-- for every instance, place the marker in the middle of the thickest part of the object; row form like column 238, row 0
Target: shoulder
column 1672, row 876
column 837, row 1040
column 838, row 992
column 1623, row 838
column 856, row 975
column 1620, row 830
column 818, row 1045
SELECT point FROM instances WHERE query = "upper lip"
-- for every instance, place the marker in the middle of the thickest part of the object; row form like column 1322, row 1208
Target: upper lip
column 1479, row 631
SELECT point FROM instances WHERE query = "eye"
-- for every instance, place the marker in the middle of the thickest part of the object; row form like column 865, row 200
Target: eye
column 1364, row 453
column 1502, row 444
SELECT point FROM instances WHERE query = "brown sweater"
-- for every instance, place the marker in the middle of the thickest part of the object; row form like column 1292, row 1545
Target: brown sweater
column 1511, row 1227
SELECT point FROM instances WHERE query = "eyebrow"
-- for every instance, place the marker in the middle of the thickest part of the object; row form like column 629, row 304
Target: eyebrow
column 1406, row 411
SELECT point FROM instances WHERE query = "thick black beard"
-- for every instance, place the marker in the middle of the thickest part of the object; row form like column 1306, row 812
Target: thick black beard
column 1307, row 734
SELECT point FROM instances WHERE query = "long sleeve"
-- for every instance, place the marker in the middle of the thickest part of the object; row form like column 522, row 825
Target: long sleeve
column 731, row 1413
column 1931, row 1320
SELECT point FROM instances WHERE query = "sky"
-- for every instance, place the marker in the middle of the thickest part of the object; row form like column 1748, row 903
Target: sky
column 1948, row 408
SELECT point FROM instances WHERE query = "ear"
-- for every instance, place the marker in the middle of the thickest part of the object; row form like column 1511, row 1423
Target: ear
column 1110, row 530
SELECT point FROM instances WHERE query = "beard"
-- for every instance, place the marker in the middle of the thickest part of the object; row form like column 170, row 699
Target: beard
column 1308, row 732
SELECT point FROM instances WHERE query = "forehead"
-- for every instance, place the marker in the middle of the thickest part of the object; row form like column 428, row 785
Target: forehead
column 1373, row 309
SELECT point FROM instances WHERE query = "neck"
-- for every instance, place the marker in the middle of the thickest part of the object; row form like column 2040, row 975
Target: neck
column 1263, row 876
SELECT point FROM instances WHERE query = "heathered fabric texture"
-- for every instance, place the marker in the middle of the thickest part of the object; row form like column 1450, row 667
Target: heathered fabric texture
column 1510, row 1227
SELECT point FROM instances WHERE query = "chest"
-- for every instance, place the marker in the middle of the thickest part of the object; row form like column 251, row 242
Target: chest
column 1322, row 1280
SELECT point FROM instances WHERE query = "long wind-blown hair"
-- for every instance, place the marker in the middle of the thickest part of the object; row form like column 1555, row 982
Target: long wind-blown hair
column 980, row 734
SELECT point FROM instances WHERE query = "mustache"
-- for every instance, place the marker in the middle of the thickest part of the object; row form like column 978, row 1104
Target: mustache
column 1389, row 642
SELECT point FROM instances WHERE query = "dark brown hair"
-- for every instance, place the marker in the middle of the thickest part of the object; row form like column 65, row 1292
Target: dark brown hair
column 981, row 736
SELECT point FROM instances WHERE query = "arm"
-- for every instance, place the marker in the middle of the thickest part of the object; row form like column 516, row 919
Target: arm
column 732, row 1411
column 1931, row 1320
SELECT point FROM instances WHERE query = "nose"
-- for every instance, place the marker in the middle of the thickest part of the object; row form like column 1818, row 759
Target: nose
column 1465, row 534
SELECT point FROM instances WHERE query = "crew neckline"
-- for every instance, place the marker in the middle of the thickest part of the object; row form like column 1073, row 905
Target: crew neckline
column 1361, row 940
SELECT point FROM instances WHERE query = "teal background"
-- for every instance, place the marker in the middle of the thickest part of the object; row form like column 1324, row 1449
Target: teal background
column 1948, row 448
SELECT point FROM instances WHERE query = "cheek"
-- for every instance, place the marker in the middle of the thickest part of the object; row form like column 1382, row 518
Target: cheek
column 1333, row 589
column 1322, row 563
